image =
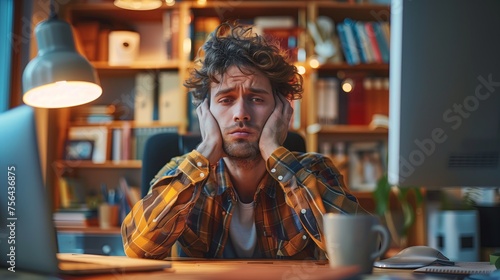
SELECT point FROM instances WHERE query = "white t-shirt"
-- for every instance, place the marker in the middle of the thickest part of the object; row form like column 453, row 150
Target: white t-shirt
column 242, row 229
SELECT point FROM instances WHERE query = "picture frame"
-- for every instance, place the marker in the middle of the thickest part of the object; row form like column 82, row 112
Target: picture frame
column 79, row 149
column 366, row 164
column 97, row 134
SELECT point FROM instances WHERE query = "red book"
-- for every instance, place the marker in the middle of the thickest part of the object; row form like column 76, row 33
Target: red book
column 372, row 38
column 356, row 104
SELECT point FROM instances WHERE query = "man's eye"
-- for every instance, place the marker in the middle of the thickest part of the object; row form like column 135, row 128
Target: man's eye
column 224, row 100
column 258, row 100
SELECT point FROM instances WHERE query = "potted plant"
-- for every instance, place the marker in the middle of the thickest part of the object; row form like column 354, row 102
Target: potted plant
column 407, row 199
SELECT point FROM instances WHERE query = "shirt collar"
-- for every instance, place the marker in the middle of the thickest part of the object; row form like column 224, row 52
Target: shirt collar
column 222, row 182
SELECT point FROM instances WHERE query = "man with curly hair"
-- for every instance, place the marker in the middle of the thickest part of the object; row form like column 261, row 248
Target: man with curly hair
column 240, row 193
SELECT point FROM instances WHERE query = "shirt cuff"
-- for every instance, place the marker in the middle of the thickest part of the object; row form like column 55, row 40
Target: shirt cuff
column 280, row 165
column 195, row 166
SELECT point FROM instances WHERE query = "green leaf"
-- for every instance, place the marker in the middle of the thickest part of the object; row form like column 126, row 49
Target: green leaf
column 381, row 196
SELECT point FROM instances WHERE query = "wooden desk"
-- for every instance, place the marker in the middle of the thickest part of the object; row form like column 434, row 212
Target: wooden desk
column 257, row 270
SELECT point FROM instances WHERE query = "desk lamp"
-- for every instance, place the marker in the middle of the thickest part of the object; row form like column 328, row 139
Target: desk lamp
column 139, row 4
column 58, row 76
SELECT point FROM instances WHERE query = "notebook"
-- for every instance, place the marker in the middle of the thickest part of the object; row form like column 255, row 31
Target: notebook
column 463, row 268
column 27, row 235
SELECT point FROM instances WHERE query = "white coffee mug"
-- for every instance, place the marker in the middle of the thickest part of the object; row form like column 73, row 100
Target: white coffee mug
column 354, row 240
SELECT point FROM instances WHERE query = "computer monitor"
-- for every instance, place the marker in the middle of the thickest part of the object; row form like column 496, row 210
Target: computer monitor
column 444, row 93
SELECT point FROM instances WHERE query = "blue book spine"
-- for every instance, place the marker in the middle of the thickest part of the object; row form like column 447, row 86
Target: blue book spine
column 382, row 43
column 344, row 44
column 351, row 41
column 359, row 42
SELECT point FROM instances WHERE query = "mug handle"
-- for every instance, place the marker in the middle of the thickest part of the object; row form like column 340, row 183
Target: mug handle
column 385, row 241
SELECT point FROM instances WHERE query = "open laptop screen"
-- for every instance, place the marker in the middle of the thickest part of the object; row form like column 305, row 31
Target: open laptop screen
column 27, row 235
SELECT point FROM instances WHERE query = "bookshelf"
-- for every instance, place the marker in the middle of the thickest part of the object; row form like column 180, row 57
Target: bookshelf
column 119, row 82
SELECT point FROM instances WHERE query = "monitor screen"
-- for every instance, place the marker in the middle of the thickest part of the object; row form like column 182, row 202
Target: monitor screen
column 444, row 93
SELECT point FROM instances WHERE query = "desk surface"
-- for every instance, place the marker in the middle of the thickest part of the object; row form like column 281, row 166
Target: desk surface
column 254, row 270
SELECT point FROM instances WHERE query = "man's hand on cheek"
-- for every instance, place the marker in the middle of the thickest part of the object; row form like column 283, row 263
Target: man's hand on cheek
column 275, row 130
column 211, row 144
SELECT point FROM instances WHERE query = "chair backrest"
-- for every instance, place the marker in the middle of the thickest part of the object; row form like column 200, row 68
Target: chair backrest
column 160, row 148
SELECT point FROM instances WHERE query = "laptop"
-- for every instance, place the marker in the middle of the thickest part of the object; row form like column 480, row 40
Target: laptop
column 27, row 234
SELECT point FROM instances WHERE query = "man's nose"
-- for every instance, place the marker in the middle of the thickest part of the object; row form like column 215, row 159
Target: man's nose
column 241, row 111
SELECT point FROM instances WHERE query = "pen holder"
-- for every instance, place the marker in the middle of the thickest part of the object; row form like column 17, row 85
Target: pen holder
column 108, row 215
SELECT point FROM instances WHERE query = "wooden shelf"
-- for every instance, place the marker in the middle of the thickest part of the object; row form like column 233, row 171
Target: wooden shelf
column 89, row 230
column 137, row 66
column 353, row 129
column 338, row 11
column 378, row 68
column 131, row 164
column 131, row 124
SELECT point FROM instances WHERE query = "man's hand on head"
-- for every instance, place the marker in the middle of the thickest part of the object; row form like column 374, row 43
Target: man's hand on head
column 211, row 144
column 275, row 130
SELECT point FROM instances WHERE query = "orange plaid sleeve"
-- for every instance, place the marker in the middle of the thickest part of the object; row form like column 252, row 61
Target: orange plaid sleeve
column 155, row 223
column 313, row 186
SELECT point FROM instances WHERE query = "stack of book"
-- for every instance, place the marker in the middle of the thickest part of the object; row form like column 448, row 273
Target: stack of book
column 94, row 113
column 75, row 217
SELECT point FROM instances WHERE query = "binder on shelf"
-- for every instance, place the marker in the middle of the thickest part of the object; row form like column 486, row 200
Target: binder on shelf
column 170, row 98
column 144, row 97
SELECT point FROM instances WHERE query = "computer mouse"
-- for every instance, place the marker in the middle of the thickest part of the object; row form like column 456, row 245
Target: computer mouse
column 414, row 257
column 421, row 251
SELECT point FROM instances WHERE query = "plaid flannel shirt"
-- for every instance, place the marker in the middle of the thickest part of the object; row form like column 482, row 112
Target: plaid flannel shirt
column 191, row 203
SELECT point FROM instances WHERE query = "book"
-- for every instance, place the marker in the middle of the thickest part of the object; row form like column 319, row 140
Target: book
column 332, row 87
column 288, row 39
column 353, row 44
column 463, row 268
column 365, row 43
column 356, row 104
column 383, row 44
column 171, row 26
column 349, row 26
column 344, row 43
column 117, row 144
column 75, row 217
column 203, row 26
column 370, row 32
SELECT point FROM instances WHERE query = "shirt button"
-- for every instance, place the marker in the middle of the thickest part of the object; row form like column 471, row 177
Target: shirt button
column 273, row 170
column 304, row 237
column 202, row 175
column 199, row 163
column 280, row 177
column 303, row 211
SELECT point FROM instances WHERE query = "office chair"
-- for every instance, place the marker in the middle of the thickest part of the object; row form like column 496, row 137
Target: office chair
column 160, row 148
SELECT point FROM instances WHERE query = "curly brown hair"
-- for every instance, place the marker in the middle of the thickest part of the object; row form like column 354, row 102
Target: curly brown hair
column 232, row 44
